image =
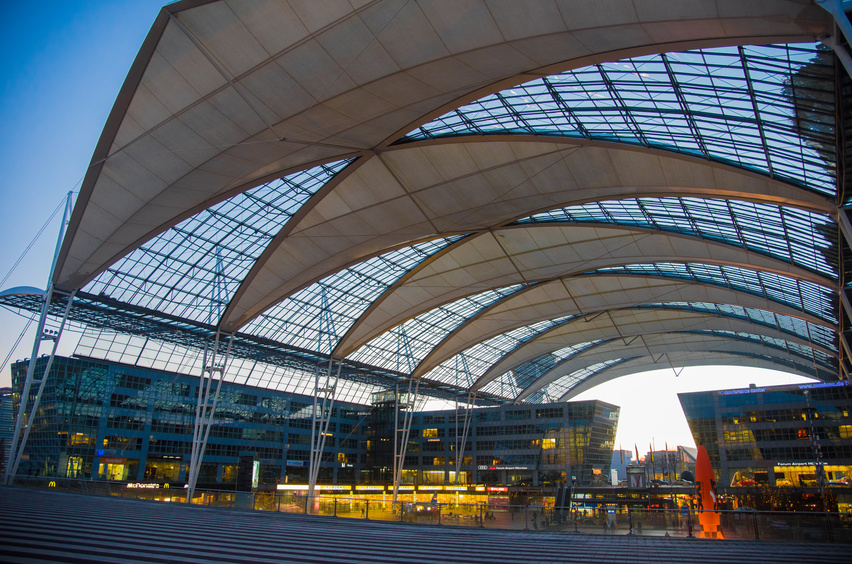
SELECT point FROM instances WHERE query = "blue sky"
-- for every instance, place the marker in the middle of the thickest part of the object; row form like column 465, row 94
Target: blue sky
column 63, row 64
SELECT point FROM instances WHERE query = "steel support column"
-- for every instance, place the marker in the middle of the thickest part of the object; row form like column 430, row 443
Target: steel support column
column 323, row 396
column 467, row 414
column 27, row 413
column 323, row 405
column 25, row 419
column 837, row 8
column 402, row 432
column 205, row 408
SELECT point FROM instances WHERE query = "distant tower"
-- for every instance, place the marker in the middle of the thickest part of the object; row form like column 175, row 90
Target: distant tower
column 7, row 426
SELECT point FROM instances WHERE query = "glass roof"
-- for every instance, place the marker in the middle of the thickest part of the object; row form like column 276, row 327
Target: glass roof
column 820, row 335
column 425, row 331
column 192, row 270
column 297, row 321
column 531, row 371
column 808, row 353
column 159, row 355
column 523, row 376
column 526, row 374
column 562, row 386
column 568, row 382
column 801, row 237
column 800, row 294
column 480, row 357
column 768, row 109
column 730, row 104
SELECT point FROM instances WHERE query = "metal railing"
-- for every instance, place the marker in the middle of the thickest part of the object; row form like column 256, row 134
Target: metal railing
column 819, row 527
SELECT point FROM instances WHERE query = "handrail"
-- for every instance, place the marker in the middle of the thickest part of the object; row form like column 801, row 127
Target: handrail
column 743, row 524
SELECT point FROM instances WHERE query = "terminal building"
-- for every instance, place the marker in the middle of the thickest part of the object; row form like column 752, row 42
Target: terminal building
column 775, row 436
column 117, row 422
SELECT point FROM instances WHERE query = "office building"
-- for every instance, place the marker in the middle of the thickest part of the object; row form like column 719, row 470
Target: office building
column 115, row 422
column 776, row 436
column 532, row 445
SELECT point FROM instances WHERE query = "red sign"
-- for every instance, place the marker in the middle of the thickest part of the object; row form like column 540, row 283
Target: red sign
column 497, row 489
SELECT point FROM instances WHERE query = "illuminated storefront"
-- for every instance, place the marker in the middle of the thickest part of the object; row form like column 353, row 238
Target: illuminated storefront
column 463, row 495
column 115, row 468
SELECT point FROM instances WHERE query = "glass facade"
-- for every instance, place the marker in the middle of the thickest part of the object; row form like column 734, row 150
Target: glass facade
column 115, row 422
column 514, row 445
column 797, row 435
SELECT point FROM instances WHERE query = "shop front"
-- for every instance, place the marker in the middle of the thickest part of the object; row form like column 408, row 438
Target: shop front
column 117, row 469
column 806, row 474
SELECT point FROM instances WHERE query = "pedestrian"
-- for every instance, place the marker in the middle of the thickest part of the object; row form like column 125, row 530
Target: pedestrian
column 610, row 519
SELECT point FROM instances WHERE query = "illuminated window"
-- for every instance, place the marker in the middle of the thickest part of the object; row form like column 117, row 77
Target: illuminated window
column 548, row 443
column 430, row 433
column 229, row 473
column 80, row 439
column 75, row 467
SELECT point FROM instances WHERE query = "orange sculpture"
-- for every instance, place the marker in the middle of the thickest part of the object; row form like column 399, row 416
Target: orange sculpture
column 706, row 497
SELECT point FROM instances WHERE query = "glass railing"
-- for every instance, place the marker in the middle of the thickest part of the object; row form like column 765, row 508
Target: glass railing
column 821, row 527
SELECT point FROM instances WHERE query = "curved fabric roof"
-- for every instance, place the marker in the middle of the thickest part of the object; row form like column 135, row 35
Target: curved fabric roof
column 522, row 200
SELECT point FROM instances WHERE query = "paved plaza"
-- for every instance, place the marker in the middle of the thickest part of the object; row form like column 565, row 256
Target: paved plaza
column 44, row 526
